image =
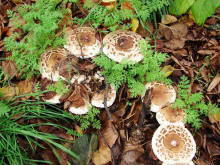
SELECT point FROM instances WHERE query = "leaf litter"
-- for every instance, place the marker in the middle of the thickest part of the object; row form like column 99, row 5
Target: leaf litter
column 194, row 52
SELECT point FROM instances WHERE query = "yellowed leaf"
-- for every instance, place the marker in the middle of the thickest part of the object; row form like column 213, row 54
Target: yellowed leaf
column 9, row 68
column 217, row 116
column 102, row 156
column 26, row 87
column 168, row 19
column 9, row 92
column 191, row 16
column 16, row 1
column 134, row 24
column 168, row 70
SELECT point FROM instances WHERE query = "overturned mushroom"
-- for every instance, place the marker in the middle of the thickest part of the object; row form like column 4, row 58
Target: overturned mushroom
column 168, row 115
column 78, row 102
column 82, row 42
column 173, row 144
column 162, row 95
column 51, row 96
column 50, row 63
column 121, row 45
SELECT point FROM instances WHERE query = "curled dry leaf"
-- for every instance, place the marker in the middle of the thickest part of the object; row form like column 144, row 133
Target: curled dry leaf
column 26, row 87
column 214, row 83
column 168, row 19
column 102, row 156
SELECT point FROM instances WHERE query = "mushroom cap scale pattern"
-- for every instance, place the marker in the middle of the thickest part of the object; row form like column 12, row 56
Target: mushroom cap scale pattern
column 82, row 42
column 173, row 143
column 121, row 45
column 49, row 63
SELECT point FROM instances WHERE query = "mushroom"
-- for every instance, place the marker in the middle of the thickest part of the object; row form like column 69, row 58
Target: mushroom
column 162, row 95
column 49, row 63
column 168, row 115
column 173, row 144
column 121, row 45
column 82, row 42
column 51, row 96
column 98, row 98
column 78, row 102
column 188, row 163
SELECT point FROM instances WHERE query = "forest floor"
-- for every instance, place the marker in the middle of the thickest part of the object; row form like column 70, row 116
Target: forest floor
column 194, row 51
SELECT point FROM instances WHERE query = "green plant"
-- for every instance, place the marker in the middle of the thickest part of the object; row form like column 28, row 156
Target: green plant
column 118, row 17
column 89, row 119
column 135, row 75
column 192, row 104
column 60, row 88
column 39, row 24
column 201, row 9
column 10, row 130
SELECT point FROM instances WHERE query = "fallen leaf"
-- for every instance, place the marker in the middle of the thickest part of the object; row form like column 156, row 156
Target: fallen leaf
column 168, row 19
column 16, row 1
column 127, row 5
column 168, row 70
column 130, row 158
column 179, row 30
column 26, row 87
column 134, row 24
column 214, row 83
column 8, row 92
column 102, row 156
column 175, row 44
column 9, row 69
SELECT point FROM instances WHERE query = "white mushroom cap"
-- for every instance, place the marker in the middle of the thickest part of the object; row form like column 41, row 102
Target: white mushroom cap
column 49, row 63
column 54, row 100
column 80, row 110
column 173, row 143
column 162, row 95
column 121, row 45
column 98, row 98
column 82, row 42
column 168, row 115
column 188, row 163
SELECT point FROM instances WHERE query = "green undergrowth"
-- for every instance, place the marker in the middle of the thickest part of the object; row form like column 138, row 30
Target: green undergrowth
column 118, row 18
column 134, row 74
column 193, row 104
column 15, row 123
column 59, row 87
column 39, row 24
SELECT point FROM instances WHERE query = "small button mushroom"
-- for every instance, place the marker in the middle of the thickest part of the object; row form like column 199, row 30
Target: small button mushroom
column 162, row 95
column 82, row 42
column 121, row 45
column 98, row 98
column 49, row 63
column 173, row 144
column 168, row 115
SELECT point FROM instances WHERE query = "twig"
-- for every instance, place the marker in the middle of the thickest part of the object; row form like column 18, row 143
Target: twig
column 105, row 100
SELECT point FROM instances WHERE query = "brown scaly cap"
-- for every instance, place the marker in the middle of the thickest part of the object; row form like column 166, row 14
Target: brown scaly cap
column 82, row 42
column 168, row 115
column 121, row 45
column 173, row 143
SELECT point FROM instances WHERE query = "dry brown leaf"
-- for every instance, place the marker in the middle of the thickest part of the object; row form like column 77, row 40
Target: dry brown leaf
column 9, row 68
column 175, row 44
column 9, row 92
column 179, row 30
column 127, row 5
column 168, row 19
column 109, row 133
column 206, row 52
column 102, row 156
column 214, row 83
column 130, row 158
column 26, row 86
column 16, row 1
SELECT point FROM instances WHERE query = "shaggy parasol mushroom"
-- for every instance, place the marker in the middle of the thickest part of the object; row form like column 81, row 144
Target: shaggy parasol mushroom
column 49, row 63
column 78, row 102
column 168, row 115
column 82, row 42
column 121, row 45
column 188, row 163
column 162, row 95
column 173, row 143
